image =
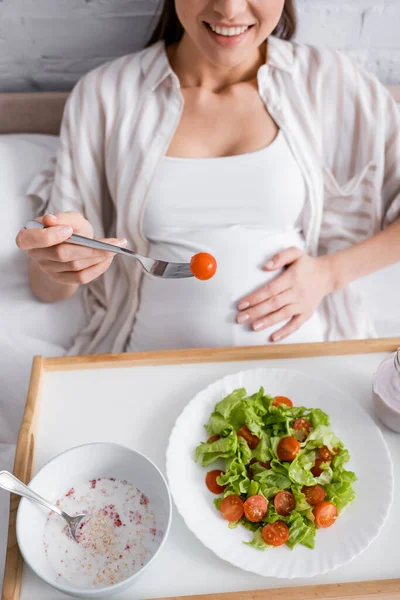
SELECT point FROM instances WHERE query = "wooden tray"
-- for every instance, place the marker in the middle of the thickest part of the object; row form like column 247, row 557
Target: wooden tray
column 299, row 355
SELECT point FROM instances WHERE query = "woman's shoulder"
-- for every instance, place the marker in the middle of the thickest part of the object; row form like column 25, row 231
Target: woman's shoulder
column 331, row 66
column 126, row 73
column 326, row 73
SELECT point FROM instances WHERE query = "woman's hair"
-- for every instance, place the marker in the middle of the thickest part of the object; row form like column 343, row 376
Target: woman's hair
column 170, row 30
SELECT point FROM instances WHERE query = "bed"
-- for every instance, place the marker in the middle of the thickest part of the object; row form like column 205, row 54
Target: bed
column 29, row 126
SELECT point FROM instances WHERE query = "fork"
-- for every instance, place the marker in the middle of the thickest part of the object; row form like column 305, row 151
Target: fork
column 157, row 268
column 10, row 483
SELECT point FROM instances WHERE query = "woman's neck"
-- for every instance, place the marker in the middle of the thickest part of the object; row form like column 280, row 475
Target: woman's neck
column 194, row 70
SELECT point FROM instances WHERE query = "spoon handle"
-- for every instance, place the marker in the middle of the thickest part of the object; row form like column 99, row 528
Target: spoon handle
column 14, row 485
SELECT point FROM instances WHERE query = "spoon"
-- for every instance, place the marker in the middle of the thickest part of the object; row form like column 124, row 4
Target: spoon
column 14, row 485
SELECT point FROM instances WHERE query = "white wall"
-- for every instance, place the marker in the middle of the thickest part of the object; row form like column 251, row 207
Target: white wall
column 48, row 44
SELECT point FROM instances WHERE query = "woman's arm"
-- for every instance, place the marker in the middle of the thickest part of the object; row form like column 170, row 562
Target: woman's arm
column 298, row 291
column 379, row 251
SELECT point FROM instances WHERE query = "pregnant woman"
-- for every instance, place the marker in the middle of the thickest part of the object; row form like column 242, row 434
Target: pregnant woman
column 281, row 160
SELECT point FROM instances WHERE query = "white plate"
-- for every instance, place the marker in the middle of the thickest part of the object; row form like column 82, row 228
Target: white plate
column 355, row 529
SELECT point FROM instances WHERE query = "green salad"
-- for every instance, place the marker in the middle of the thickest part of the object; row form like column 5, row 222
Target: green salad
column 284, row 473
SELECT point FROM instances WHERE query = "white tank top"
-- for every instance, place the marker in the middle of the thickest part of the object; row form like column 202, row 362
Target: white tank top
column 242, row 210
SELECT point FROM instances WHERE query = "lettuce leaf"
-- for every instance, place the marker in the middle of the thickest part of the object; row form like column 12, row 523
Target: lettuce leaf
column 299, row 469
column 272, row 482
column 318, row 417
column 257, row 541
column 225, row 447
column 300, row 532
column 322, row 435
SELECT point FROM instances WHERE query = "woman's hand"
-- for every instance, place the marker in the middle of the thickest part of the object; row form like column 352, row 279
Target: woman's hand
column 294, row 295
column 65, row 263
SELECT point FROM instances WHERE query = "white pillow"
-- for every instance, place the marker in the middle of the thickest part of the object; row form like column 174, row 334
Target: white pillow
column 21, row 158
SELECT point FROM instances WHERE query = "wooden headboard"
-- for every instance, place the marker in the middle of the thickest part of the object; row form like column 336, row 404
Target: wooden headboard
column 41, row 112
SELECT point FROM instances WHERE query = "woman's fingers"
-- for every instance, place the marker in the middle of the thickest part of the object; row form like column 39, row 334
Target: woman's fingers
column 263, row 309
column 84, row 276
column 265, row 292
column 65, row 253
column 294, row 324
column 282, row 259
column 54, row 266
column 283, row 314
column 28, row 239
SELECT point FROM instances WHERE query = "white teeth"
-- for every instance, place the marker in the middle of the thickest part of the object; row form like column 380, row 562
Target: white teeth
column 229, row 31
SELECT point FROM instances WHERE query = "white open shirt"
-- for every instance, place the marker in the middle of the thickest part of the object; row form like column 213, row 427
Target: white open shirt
column 342, row 125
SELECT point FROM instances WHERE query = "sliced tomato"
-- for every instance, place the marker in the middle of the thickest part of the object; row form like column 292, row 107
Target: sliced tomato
column 316, row 470
column 284, row 503
column 275, row 534
column 282, row 400
column 288, row 449
column 211, row 481
column 232, row 508
column 213, row 438
column 314, row 494
column 251, row 439
column 255, row 508
column 325, row 514
column 326, row 454
column 304, row 427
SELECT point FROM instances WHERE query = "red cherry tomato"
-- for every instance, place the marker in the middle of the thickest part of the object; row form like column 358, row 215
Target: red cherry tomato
column 232, row 508
column 284, row 503
column 282, row 400
column 275, row 534
column 325, row 514
column 316, row 470
column 211, row 481
column 326, row 454
column 213, row 438
column 203, row 265
column 255, row 508
column 314, row 494
column 288, row 449
column 303, row 426
column 251, row 439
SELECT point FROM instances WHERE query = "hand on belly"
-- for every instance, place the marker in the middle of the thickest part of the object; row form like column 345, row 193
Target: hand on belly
column 293, row 296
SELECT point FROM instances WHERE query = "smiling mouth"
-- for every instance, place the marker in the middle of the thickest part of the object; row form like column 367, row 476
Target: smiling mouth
column 228, row 31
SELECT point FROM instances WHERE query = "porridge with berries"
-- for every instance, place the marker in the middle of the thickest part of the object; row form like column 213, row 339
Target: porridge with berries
column 118, row 539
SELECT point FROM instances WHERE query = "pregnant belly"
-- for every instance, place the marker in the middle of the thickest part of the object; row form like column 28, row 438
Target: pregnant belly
column 189, row 313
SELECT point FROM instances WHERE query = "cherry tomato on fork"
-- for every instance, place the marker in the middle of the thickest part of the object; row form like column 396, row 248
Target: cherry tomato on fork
column 203, row 266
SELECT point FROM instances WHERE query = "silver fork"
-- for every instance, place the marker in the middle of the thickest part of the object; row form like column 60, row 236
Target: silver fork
column 12, row 484
column 158, row 268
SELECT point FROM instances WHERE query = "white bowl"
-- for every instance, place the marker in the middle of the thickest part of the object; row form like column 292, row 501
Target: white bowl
column 71, row 468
